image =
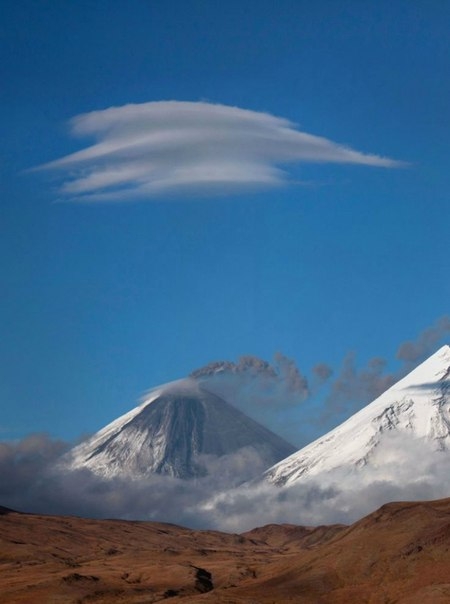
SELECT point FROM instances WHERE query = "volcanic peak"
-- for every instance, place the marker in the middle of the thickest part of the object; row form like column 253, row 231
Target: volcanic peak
column 416, row 408
column 171, row 432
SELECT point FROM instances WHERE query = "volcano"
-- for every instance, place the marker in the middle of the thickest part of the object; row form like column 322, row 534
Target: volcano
column 414, row 413
column 176, row 429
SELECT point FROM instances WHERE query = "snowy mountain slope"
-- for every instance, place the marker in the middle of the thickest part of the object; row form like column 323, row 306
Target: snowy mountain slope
column 170, row 431
column 416, row 408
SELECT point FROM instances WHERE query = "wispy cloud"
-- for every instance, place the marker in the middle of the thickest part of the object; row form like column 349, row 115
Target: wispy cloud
column 178, row 148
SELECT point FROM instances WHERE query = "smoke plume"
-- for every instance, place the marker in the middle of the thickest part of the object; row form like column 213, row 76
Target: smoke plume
column 412, row 352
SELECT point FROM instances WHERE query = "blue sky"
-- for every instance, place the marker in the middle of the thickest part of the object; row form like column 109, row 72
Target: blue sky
column 104, row 299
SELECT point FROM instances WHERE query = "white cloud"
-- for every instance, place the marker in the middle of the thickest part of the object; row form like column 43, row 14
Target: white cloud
column 405, row 469
column 174, row 147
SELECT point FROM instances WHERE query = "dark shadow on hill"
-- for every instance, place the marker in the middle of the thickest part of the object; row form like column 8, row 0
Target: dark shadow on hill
column 4, row 511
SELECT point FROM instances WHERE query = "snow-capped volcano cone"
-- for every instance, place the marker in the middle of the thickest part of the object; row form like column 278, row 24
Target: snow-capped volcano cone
column 417, row 409
column 169, row 432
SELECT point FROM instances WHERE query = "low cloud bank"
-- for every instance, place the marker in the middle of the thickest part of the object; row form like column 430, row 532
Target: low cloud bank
column 34, row 481
column 176, row 147
column 406, row 469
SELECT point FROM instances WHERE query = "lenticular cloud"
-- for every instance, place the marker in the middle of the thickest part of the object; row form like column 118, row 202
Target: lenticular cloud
column 173, row 147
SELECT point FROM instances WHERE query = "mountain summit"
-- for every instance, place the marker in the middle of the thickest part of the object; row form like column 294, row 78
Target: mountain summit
column 416, row 410
column 172, row 432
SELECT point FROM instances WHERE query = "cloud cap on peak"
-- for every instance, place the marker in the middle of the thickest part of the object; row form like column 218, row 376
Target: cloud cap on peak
column 178, row 147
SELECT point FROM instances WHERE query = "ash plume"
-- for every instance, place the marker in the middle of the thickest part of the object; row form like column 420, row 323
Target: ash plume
column 267, row 392
column 255, row 380
column 411, row 352
column 322, row 372
column 353, row 387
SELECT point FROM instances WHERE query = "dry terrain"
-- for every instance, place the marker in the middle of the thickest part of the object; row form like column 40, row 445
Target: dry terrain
column 398, row 554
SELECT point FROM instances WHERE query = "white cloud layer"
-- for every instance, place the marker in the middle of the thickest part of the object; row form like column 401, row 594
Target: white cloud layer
column 177, row 148
column 404, row 469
